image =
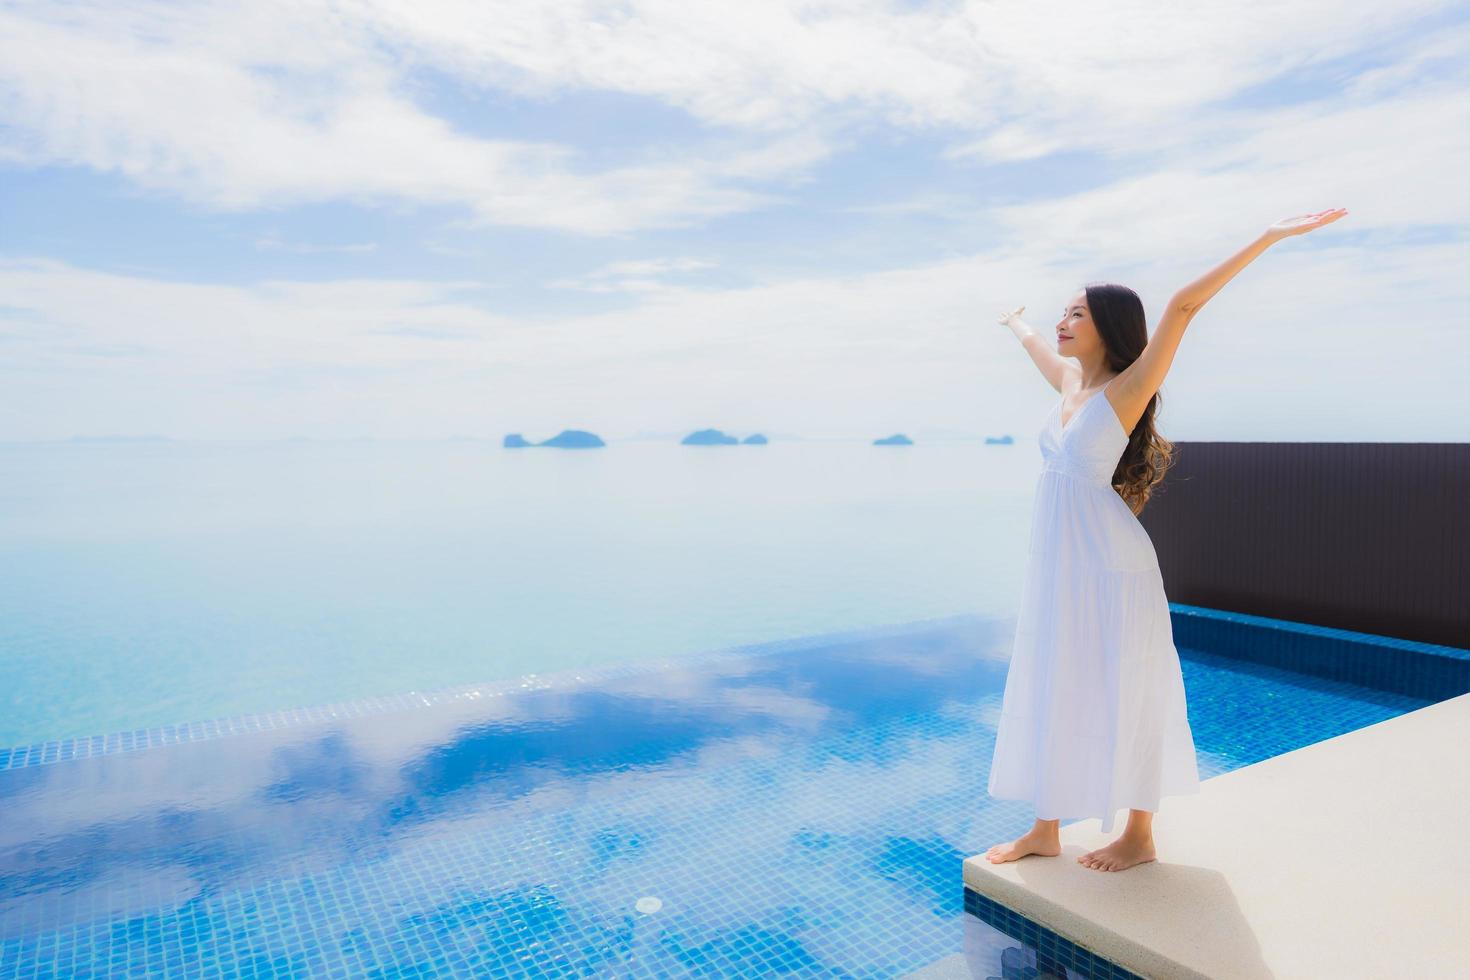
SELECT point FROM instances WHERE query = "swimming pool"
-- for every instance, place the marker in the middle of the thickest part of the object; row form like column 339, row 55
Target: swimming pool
column 799, row 808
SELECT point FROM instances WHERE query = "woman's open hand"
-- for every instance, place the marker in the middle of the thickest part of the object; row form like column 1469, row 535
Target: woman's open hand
column 1006, row 318
column 1303, row 223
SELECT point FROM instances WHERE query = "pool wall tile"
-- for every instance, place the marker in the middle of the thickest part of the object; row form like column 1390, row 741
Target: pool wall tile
column 1055, row 953
column 1409, row 667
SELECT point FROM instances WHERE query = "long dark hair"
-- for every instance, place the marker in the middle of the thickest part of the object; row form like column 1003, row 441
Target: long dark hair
column 1118, row 313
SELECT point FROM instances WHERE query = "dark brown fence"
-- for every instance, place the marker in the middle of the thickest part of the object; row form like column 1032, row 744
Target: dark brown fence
column 1360, row 536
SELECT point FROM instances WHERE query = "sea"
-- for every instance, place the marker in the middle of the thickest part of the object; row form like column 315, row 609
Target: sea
column 154, row 583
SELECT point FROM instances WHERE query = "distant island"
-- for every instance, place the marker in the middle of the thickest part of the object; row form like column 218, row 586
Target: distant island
column 581, row 439
column 566, row 439
column 714, row 437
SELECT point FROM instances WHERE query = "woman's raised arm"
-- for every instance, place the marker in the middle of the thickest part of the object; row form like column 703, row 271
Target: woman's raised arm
column 1053, row 366
column 1145, row 375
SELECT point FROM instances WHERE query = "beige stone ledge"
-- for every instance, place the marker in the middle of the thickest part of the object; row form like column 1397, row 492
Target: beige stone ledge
column 1347, row 858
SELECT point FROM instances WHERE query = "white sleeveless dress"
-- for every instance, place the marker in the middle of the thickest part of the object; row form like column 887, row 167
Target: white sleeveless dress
column 1093, row 717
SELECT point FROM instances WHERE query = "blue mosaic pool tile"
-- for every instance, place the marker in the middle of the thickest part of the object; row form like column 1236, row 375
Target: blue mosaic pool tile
column 41, row 753
column 803, row 810
column 1052, row 953
column 1421, row 670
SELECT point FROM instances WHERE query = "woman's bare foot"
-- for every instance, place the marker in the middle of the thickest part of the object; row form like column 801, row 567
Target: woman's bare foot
column 1034, row 841
column 1121, row 854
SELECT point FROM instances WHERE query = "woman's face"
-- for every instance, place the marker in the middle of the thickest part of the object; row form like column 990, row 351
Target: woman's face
column 1076, row 333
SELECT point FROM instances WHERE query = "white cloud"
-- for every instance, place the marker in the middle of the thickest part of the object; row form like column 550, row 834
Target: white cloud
column 822, row 356
column 1254, row 168
column 634, row 276
column 642, row 267
column 271, row 243
column 1413, row 59
column 251, row 106
column 933, row 204
column 246, row 106
column 241, row 106
column 777, row 64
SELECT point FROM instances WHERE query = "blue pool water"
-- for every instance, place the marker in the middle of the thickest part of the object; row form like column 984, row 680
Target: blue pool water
column 801, row 808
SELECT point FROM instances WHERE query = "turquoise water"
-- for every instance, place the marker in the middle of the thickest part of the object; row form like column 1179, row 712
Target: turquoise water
column 800, row 812
column 150, row 584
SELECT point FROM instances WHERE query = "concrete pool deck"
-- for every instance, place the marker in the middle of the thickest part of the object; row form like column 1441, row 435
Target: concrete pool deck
column 1345, row 858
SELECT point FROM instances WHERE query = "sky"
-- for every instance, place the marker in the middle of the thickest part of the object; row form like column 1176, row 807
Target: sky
column 443, row 219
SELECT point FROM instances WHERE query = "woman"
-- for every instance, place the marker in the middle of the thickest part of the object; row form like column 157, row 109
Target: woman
column 1093, row 716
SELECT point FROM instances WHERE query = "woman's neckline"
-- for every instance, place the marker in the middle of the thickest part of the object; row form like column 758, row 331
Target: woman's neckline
column 1064, row 426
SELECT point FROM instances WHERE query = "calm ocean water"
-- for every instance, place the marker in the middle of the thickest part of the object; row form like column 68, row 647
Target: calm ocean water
column 147, row 584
